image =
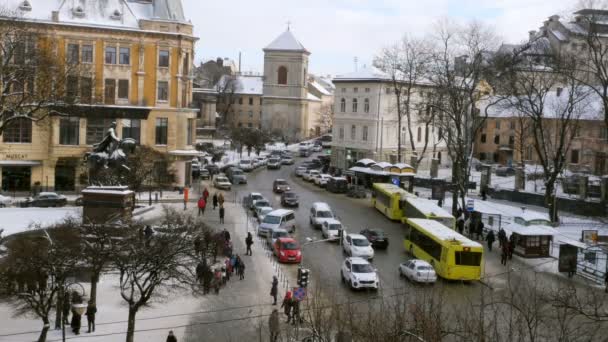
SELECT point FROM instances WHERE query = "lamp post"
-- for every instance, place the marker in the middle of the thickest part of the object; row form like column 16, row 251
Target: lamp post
column 77, row 308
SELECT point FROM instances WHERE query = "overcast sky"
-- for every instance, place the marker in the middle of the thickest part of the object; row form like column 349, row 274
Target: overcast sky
column 337, row 31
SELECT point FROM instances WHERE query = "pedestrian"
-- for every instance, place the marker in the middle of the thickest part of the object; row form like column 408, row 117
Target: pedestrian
column 226, row 235
column 606, row 282
column 249, row 242
column 66, row 308
column 217, row 280
column 287, row 305
column 241, row 270
column 274, row 290
column 205, row 194
column 296, row 312
column 479, row 227
column 148, row 232
column 440, row 202
column 460, row 222
column 90, row 313
column 75, row 324
column 484, row 194
column 171, row 337
column 502, row 237
column 572, row 266
column 504, row 253
column 490, row 239
column 201, row 206
column 220, row 199
column 200, row 271
column 228, row 266
column 511, row 246
column 198, row 245
column 214, row 201
column 233, row 263
column 222, row 214
column 273, row 325
column 468, row 226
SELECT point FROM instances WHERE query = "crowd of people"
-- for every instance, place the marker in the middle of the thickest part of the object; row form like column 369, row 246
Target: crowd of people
column 217, row 200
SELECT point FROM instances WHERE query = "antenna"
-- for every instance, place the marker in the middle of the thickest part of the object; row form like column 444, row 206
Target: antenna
column 288, row 25
column 356, row 63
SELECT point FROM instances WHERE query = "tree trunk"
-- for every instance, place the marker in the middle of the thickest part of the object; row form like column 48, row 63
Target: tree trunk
column 551, row 201
column 45, row 329
column 131, row 324
column 93, row 291
column 59, row 308
column 454, row 191
column 399, row 138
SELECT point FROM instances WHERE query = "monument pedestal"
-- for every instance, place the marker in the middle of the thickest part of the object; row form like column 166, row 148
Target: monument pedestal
column 103, row 204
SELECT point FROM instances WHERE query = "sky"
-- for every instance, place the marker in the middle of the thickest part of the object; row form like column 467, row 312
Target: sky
column 338, row 31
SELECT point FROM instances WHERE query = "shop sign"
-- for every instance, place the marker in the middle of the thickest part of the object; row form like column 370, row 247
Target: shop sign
column 15, row 156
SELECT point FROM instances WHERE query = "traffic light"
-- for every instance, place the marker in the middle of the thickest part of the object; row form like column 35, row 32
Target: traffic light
column 303, row 277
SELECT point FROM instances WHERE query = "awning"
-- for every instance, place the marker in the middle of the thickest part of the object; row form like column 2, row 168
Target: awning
column 20, row 162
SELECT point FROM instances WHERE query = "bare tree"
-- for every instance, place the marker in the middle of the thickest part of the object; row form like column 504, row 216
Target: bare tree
column 226, row 95
column 325, row 118
column 406, row 63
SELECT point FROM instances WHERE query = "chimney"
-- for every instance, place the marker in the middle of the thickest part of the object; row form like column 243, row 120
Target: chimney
column 554, row 18
column 55, row 16
column 532, row 34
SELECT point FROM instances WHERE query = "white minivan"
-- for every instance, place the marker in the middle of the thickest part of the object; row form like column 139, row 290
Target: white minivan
column 280, row 218
column 319, row 213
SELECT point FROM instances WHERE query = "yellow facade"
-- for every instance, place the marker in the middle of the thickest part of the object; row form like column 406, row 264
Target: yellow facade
column 46, row 152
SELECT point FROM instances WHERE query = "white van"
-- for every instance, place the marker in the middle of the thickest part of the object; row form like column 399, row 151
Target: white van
column 280, row 218
column 246, row 165
column 319, row 213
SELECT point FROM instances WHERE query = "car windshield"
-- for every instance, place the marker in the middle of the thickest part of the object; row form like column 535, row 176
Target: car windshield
column 376, row 233
column 262, row 203
column 290, row 246
column 324, row 214
column 290, row 195
column 222, row 179
column 274, row 160
column 335, row 226
column 265, row 211
column 237, row 172
column 245, row 161
column 362, row 268
column 360, row 242
column 279, row 234
column 256, row 197
column 272, row 219
column 424, row 268
column 281, row 182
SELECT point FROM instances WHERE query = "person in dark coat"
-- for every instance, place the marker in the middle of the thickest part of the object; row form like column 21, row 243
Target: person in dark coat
column 200, row 271
column 504, row 253
column 249, row 242
column 66, row 309
column 502, row 237
column 241, row 270
column 90, row 313
column 171, row 337
column 75, row 324
column 287, row 305
column 214, row 201
column 511, row 246
column 222, row 214
column 296, row 312
column 274, row 290
column 226, row 235
column 460, row 222
column 148, row 232
column 490, row 239
column 202, row 203
column 479, row 229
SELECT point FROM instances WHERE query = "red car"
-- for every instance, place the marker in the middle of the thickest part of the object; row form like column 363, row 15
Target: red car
column 287, row 249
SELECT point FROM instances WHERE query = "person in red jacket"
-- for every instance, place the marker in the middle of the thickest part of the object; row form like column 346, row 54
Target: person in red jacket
column 201, row 206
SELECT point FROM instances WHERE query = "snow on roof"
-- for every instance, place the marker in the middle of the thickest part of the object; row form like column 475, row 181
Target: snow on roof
column 560, row 36
column 311, row 97
column 286, row 42
column 367, row 170
column 530, row 230
column 443, row 232
column 428, row 207
column 365, row 161
column 243, row 84
column 109, row 192
column 382, row 165
column 18, row 220
column 365, row 73
column 320, row 88
column 113, row 13
column 403, row 166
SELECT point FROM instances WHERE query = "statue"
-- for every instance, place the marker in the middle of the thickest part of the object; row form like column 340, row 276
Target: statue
column 109, row 157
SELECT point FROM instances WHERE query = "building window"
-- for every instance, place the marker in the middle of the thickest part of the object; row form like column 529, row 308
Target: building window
column 355, row 105
column 497, row 124
column 87, row 54
column 250, row 125
column 355, row 90
column 96, row 128
column 18, row 131
column 495, row 155
column 366, row 105
column 419, row 134
column 367, row 90
column 131, row 128
column 511, row 125
column 343, row 105
column 344, row 90
column 72, row 88
column 364, row 133
column 260, row 101
column 341, row 133
column 110, row 91
column 73, row 53
column 251, row 101
column 190, row 129
column 163, row 58
column 125, row 56
column 529, row 153
column 123, row 89
column 574, row 157
column 353, row 132
column 497, row 138
column 86, row 89
column 511, row 140
column 161, row 131
column 68, row 130
column 482, row 156
column 163, row 91
column 282, row 75
column 482, row 139
column 388, row 90
column 110, row 55
column 251, row 114
column 240, row 100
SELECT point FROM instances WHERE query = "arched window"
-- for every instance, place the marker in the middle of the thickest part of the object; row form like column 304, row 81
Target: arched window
column 366, row 105
column 282, row 75
column 354, row 105
column 343, row 105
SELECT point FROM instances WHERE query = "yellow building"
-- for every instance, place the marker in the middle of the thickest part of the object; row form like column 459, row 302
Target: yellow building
column 140, row 54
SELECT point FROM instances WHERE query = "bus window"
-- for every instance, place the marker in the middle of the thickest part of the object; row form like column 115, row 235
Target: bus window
column 425, row 243
column 467, row 258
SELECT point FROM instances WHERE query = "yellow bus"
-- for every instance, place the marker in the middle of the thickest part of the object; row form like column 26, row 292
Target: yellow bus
column 416, row 207
column 453, row 256
column 388, row 199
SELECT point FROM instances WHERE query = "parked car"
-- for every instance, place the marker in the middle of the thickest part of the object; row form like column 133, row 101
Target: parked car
column 246, row 165
column 322, row 179
column 317, row 148
column 505, row 171
column 222, row 182
column 280, row 185
column 287, row 249
column 5, row 201
column 287, row 160
column 310, row 174
column 204, row 174
column 261, row 213
column 274, row 163
column 418, row 270
column 377, row 238
column 357, row 245
column 262, row 160
column 275, row 234
column 337, row 185
column 45, row 199
column 236, row 176
column 289, row 199
column 251, row 198
column 359, row 273
column 320, row 212
column 330, row 229
column 300, row 170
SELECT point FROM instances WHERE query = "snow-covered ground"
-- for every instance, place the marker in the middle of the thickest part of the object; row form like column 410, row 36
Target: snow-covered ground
column 17, row 220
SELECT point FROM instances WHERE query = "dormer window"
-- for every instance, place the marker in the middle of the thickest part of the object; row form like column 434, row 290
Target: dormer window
column 78, row 12
column 116, row 15
column 25, row 6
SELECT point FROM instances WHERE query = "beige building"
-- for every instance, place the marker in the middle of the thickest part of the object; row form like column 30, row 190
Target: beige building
column 140, row 54
column 240, row 98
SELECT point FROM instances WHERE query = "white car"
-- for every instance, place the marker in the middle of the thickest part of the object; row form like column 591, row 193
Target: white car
column 222, row 182
column 246, row 165
column 260, row 212
column 357, row 245
column 330, row 229
column 253, row 196
column 259, row 204
column 322, row 179
column 300, row 170
column 262, row 161
column 5, row 201
column 310, row 175
column 358, row 273
column 317, row 148
column 418, row 270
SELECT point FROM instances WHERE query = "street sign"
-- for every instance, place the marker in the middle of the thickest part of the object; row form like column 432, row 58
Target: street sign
column 395, row 181
column 299, row 293
column 470, row 205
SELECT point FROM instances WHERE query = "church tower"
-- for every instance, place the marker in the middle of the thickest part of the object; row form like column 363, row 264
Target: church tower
column 285, row 104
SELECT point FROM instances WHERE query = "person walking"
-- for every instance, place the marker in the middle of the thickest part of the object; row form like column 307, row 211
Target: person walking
column 222, row 212
column 228, row 265
column 226, row 234
column 201, row 206
column 296, row 312
column 214, row 200
column 479, row 229
column 220, row 199
column 171, row 337
column 234, row 263
column 75, row 324
column 502, row 237
column 274, row 290
column 90, row 313
column 504, row 254
column 460, row 222
column 511, row 245
column 241, row 270
column 273, row 325
column 66, row 308
column 490, row 239
column 205, row 194
column 249, row 242
column 287, row 305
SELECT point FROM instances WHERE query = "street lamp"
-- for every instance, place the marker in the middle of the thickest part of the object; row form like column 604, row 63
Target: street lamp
column 77, row 308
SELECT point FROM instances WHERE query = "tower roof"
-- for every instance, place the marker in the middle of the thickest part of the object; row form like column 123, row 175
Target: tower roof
column 286, row 42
